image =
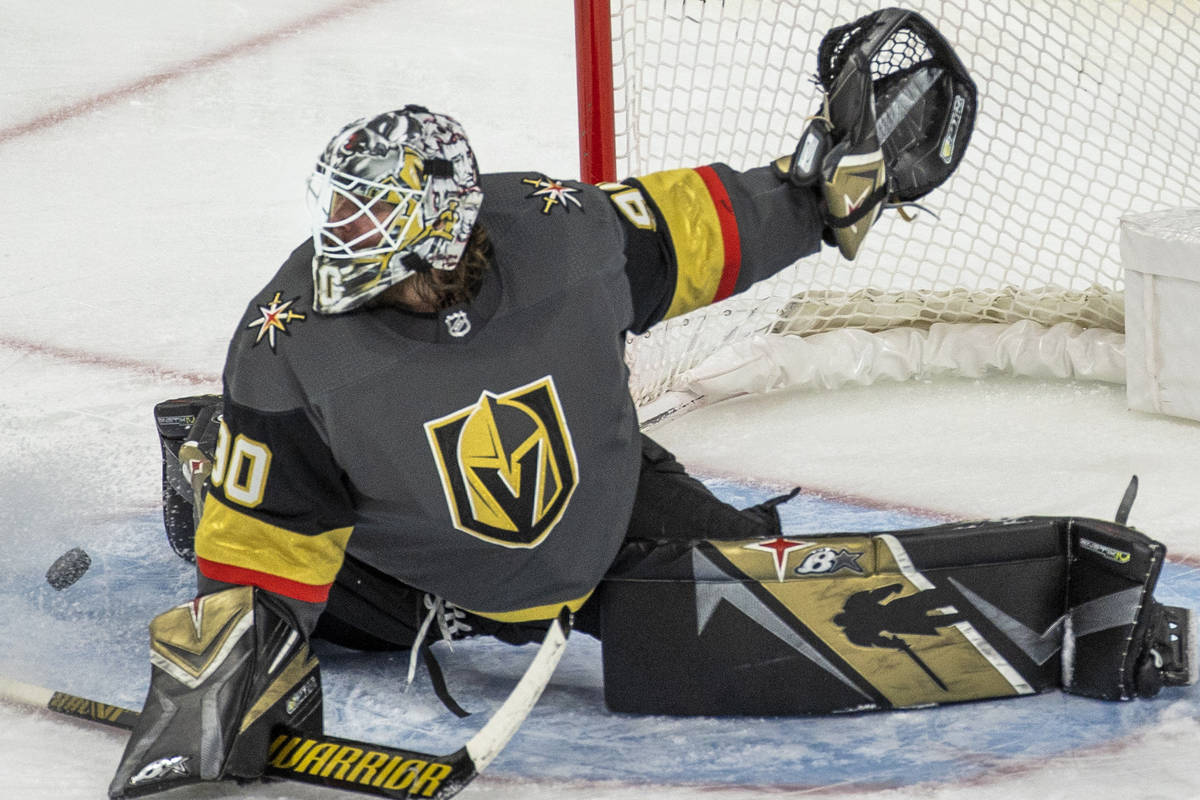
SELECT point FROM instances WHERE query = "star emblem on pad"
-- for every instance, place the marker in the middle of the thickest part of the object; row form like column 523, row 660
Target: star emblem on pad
column 276, row 315
column 779, row 548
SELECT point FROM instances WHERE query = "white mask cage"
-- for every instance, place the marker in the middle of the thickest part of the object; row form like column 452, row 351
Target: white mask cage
column 374, row 218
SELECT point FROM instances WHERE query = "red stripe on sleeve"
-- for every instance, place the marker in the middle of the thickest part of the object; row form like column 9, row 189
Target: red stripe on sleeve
column 263, row 580
column 729, row 232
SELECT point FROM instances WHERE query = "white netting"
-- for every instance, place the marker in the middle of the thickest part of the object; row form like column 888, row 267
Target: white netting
column 1084, row 116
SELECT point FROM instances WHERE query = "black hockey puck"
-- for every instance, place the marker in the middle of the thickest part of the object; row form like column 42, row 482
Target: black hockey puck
column 68, row 568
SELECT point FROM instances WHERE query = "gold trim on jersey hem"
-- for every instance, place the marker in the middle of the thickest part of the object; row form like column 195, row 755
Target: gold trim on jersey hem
column 536, row 613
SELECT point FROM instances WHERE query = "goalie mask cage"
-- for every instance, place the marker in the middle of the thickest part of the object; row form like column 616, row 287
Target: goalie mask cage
column 1084, row 116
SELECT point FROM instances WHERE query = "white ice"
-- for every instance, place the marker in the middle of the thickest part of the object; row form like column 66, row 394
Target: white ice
column 152, row 157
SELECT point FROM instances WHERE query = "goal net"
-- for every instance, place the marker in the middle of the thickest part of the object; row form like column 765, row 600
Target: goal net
column 1084, row 116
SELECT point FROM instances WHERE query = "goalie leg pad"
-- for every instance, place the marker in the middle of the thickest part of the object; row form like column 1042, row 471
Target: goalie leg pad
column 828, row 623
column 225, row 670
column 817, row 624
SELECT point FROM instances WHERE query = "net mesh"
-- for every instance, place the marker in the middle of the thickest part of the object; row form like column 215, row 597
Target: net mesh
column 1083, row 117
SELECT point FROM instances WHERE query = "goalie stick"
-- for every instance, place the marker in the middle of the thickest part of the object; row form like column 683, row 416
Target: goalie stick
column 355, row 766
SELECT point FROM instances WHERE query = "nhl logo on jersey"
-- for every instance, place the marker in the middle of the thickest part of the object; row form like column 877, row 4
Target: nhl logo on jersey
column 507, row 464
column 458, row 323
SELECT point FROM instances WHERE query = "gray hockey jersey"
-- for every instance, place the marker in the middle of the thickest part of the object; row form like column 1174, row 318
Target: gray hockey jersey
column 489, row 453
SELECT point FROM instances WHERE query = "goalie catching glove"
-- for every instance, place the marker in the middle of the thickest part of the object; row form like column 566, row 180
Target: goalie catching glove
column 898, row 113
column 226, row 669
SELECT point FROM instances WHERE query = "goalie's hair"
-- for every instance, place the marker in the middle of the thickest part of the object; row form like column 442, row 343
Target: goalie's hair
column 442, row 289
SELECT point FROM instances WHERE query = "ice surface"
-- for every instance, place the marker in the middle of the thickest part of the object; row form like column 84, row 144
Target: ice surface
column 152, row 156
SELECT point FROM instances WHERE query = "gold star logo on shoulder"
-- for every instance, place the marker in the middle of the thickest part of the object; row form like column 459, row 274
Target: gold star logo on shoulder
column 552, row 193
column 276, row 315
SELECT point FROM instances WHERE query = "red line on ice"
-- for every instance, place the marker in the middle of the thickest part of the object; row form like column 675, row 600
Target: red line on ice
column 120, row 363
column 149, row 82
column 153, row 81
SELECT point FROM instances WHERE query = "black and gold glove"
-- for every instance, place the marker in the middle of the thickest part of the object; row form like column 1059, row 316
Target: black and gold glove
column 898, row 114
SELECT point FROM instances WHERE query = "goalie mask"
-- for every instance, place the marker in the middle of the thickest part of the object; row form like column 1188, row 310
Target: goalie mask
column 390, row 197
column 924, row 98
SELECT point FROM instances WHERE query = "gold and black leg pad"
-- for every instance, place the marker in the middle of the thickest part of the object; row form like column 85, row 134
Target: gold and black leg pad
column 815, row 624
column 226, row 669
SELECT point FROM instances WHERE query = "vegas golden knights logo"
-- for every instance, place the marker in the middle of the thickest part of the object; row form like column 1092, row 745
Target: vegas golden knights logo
column 507, row 464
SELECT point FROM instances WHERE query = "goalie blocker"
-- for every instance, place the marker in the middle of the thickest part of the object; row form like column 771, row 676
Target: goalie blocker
column 815, row 624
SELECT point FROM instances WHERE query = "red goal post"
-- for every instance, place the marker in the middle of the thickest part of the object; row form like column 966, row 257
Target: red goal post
column 594, row 91
column 1084, row 117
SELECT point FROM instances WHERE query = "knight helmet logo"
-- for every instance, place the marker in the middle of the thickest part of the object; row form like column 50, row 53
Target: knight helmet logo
column 507, row 464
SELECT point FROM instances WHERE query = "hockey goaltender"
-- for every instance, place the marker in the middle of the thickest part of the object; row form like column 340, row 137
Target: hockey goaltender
column 425, row 431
